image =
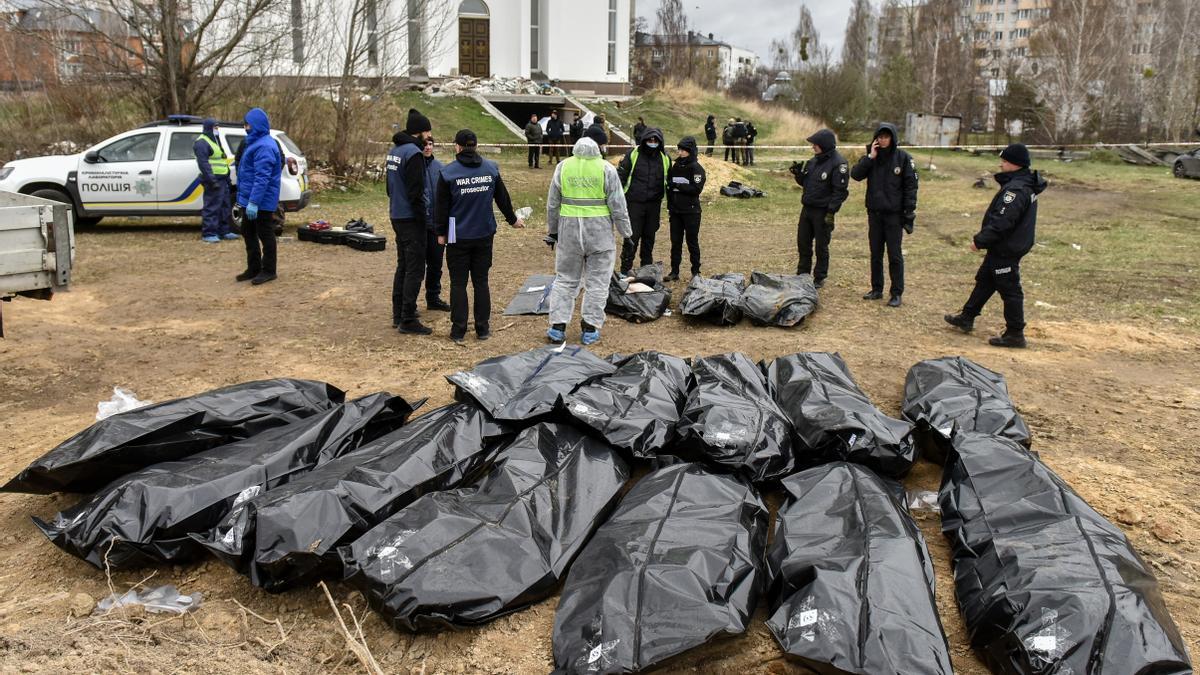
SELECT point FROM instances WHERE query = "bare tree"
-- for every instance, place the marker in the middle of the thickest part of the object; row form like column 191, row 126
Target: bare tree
column 1176, row 79
column 1083, row 40
column 179, row 55
column 671, row 39
column 948, row 72
column 353, row 47
column 804, row 42
column 857, row 46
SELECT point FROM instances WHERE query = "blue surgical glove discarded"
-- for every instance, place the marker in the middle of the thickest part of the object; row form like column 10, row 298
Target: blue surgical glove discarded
column 252, row 211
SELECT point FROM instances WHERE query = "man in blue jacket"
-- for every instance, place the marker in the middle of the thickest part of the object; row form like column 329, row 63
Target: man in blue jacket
column 466, row 226
column 406, row 179
column 259, row 173
column 214, row 165
column 434, row 252
column 1008, row 233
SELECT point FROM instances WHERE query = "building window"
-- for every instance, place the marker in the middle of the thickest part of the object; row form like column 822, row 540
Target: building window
column 414, row 33
column 534, row 21
column 612, row 37
column 297, row 32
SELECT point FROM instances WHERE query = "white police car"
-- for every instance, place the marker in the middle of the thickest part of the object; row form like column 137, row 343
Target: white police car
column 150, row 170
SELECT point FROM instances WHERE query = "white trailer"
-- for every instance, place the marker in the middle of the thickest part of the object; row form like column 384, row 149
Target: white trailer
column 37, row 247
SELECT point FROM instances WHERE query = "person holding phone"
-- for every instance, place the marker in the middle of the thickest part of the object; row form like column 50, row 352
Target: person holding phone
column 891, row 175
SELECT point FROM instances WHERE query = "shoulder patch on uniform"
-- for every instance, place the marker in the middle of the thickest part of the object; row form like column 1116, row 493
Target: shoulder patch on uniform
column 913, row 164
column 896, row 171
column 1010, row 197
column 697, row 178
column 824, row 175
column 843, row 168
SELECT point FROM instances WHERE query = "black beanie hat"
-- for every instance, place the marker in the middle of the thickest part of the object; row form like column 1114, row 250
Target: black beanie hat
column 1018, row 154
column 417, row 122
column 466, row 138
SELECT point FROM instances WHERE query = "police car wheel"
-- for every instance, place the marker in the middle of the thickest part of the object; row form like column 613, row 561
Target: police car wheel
column 60, row 196
column 1179, row 172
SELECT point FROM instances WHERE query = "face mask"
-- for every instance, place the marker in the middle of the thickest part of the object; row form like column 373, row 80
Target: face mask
column 652, row 146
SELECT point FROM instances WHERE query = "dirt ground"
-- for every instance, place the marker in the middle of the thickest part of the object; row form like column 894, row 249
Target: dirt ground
column 1112, row 401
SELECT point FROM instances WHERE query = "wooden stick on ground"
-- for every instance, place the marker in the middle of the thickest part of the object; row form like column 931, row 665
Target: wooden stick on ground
column 357, row 645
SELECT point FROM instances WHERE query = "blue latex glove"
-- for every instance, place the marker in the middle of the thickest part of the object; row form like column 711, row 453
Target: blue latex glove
column 252, row 211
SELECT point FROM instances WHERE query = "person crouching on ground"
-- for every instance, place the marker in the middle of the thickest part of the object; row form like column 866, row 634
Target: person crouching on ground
column 259, row 174
column 466, row 226
column 686, row 182
column 584, row 203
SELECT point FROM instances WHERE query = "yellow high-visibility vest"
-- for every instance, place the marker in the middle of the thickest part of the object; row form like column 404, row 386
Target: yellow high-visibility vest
column 582, row 181
column 219, row 160
column 633, row 160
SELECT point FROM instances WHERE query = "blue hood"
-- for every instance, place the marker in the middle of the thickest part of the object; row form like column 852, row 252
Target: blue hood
column 260, row 125
column 210, row 127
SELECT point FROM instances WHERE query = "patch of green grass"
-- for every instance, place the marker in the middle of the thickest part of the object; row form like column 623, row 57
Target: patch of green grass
column 451, row 113
column 1115, row 242
column 681, row 110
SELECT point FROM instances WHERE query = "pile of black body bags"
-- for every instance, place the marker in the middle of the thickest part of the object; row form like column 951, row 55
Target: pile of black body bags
column 520, row 488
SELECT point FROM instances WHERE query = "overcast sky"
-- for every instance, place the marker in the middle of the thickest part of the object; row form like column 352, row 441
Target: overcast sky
column 752, row 24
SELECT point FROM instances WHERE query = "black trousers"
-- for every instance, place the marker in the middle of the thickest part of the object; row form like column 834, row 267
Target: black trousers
column 811, row 233
column 410, row 269
column 886, row 230
column 469, row 259
column 1003, row 276
column 685, row 225
column 434, row 252
column 749, row 152
column 644, row 217
column 259, row 235
column 709, row 151
column 535, row 153
column 554, row 150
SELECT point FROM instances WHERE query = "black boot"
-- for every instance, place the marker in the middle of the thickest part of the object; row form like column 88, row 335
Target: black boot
column 246, row 276
column 873, row 295
column 1010, row 339
column 263, row 277
column 894, row 301
column 437, row 305
column 673, row 276
column 964, row 323
column 414, row 327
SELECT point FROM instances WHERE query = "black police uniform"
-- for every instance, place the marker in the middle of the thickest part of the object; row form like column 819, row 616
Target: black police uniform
column 1009, row 229
column 685, row 182
column 644, row 196
column 825, row 179
column 891, row 206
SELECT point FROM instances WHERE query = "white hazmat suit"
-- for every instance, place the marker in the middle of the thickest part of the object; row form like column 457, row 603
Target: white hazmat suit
column 585, row 250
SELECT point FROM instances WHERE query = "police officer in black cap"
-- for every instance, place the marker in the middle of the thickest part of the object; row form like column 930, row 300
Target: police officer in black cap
column 466, row 226
column 1008, row 232
column 826, row 182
